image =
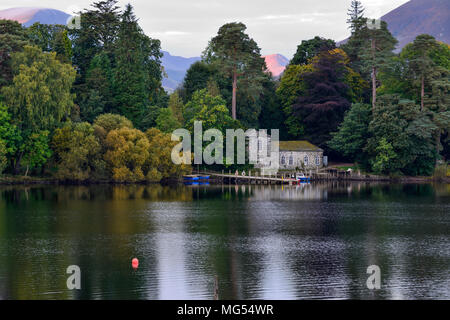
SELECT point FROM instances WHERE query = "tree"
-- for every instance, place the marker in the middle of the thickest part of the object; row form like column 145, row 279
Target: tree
column 77, row 152
column 408, row 131
column 292, row 85
column 237, row 56
column 13, row 38
column 272, row 114
column 3, row 158
column 355, row 14
column 36, row 150
column 159, row 164
column 376, row 53
column 108, row 122
column 385, row 156
column 98, row 33
column 52, row 38
column 9, row 135
column 39, row 97
column 210, row 110
column 322, row 108
column 351, row 138
column 422, row 73
column 418, row 53
column 176, row 107
column 127, row 152
column 196, row 78
column 97, row 97
column 310, row 48
column 138, row 68
column 166, row 122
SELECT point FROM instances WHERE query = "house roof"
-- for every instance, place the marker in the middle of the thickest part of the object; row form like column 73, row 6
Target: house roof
column 298, row 146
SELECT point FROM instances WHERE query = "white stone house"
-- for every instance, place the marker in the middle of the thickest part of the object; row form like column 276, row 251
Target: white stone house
column 294, row 155
column 301, row 155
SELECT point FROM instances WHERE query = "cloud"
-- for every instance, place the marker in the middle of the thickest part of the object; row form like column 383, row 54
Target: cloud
column 171, row 33
column 185, row 27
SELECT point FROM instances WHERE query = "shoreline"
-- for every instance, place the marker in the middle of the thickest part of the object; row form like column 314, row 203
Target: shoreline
column 11, row 181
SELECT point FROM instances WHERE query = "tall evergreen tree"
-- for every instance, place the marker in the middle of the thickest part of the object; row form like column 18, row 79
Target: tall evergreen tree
column 421, row 63
column 377, row 53
column 354, row 45
column 356, row 19
column 99, row 31
column 238, row 57
column 137, row 74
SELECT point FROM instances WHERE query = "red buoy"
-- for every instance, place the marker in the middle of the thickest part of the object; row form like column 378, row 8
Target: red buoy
column 135, row 263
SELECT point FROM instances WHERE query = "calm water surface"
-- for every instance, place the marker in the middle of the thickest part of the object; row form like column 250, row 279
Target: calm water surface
column 262, row 242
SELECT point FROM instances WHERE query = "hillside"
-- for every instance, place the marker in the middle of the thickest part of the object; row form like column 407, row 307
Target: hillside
column 175, row 68
column 29, row 16
column 417, row 17
column 276, row 63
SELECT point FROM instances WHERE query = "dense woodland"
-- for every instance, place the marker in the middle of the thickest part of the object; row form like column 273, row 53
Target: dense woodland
column 88, row 104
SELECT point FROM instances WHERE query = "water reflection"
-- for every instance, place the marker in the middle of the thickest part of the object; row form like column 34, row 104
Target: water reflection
column 262, row 242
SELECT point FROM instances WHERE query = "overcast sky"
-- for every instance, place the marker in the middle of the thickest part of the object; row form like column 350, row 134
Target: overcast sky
column 278, row 26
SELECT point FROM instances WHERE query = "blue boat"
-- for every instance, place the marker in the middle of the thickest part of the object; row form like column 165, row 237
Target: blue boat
column 203, row 177
column 303, row 179
column 190, row 178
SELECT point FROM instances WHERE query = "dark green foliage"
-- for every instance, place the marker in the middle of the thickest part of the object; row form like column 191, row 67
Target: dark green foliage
column 322, row 108
column 166, row 121
column 272, row 115
column 13, row 38
column 137, row 75
column 353, row 133
column 196, row 78
column 356, row 19
column 98, row 33
column 237, row 57
column 97, row 96
column 52, row 38
column 310, row 48
column 408, row 131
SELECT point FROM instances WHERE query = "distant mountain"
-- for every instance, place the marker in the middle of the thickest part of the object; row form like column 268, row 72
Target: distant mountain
column 175, row 68
column 418, row 17
column 28, row 16
column 276, row 63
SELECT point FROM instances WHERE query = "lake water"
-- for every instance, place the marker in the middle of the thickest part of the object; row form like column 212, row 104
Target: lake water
column 261, row 242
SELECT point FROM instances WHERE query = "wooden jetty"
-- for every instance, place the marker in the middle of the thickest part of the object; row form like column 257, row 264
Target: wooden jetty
column 243, row 178
column 325, row 174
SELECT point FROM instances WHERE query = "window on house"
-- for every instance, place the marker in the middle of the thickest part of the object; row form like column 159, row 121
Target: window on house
column 291, row 160
column 317, row 161
column 306, row 160
column 283, row 160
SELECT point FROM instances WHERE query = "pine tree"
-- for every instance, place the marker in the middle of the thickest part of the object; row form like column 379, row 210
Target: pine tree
column 355, row 16
column 376, row 53
column 420, row 61
column 238, row 57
